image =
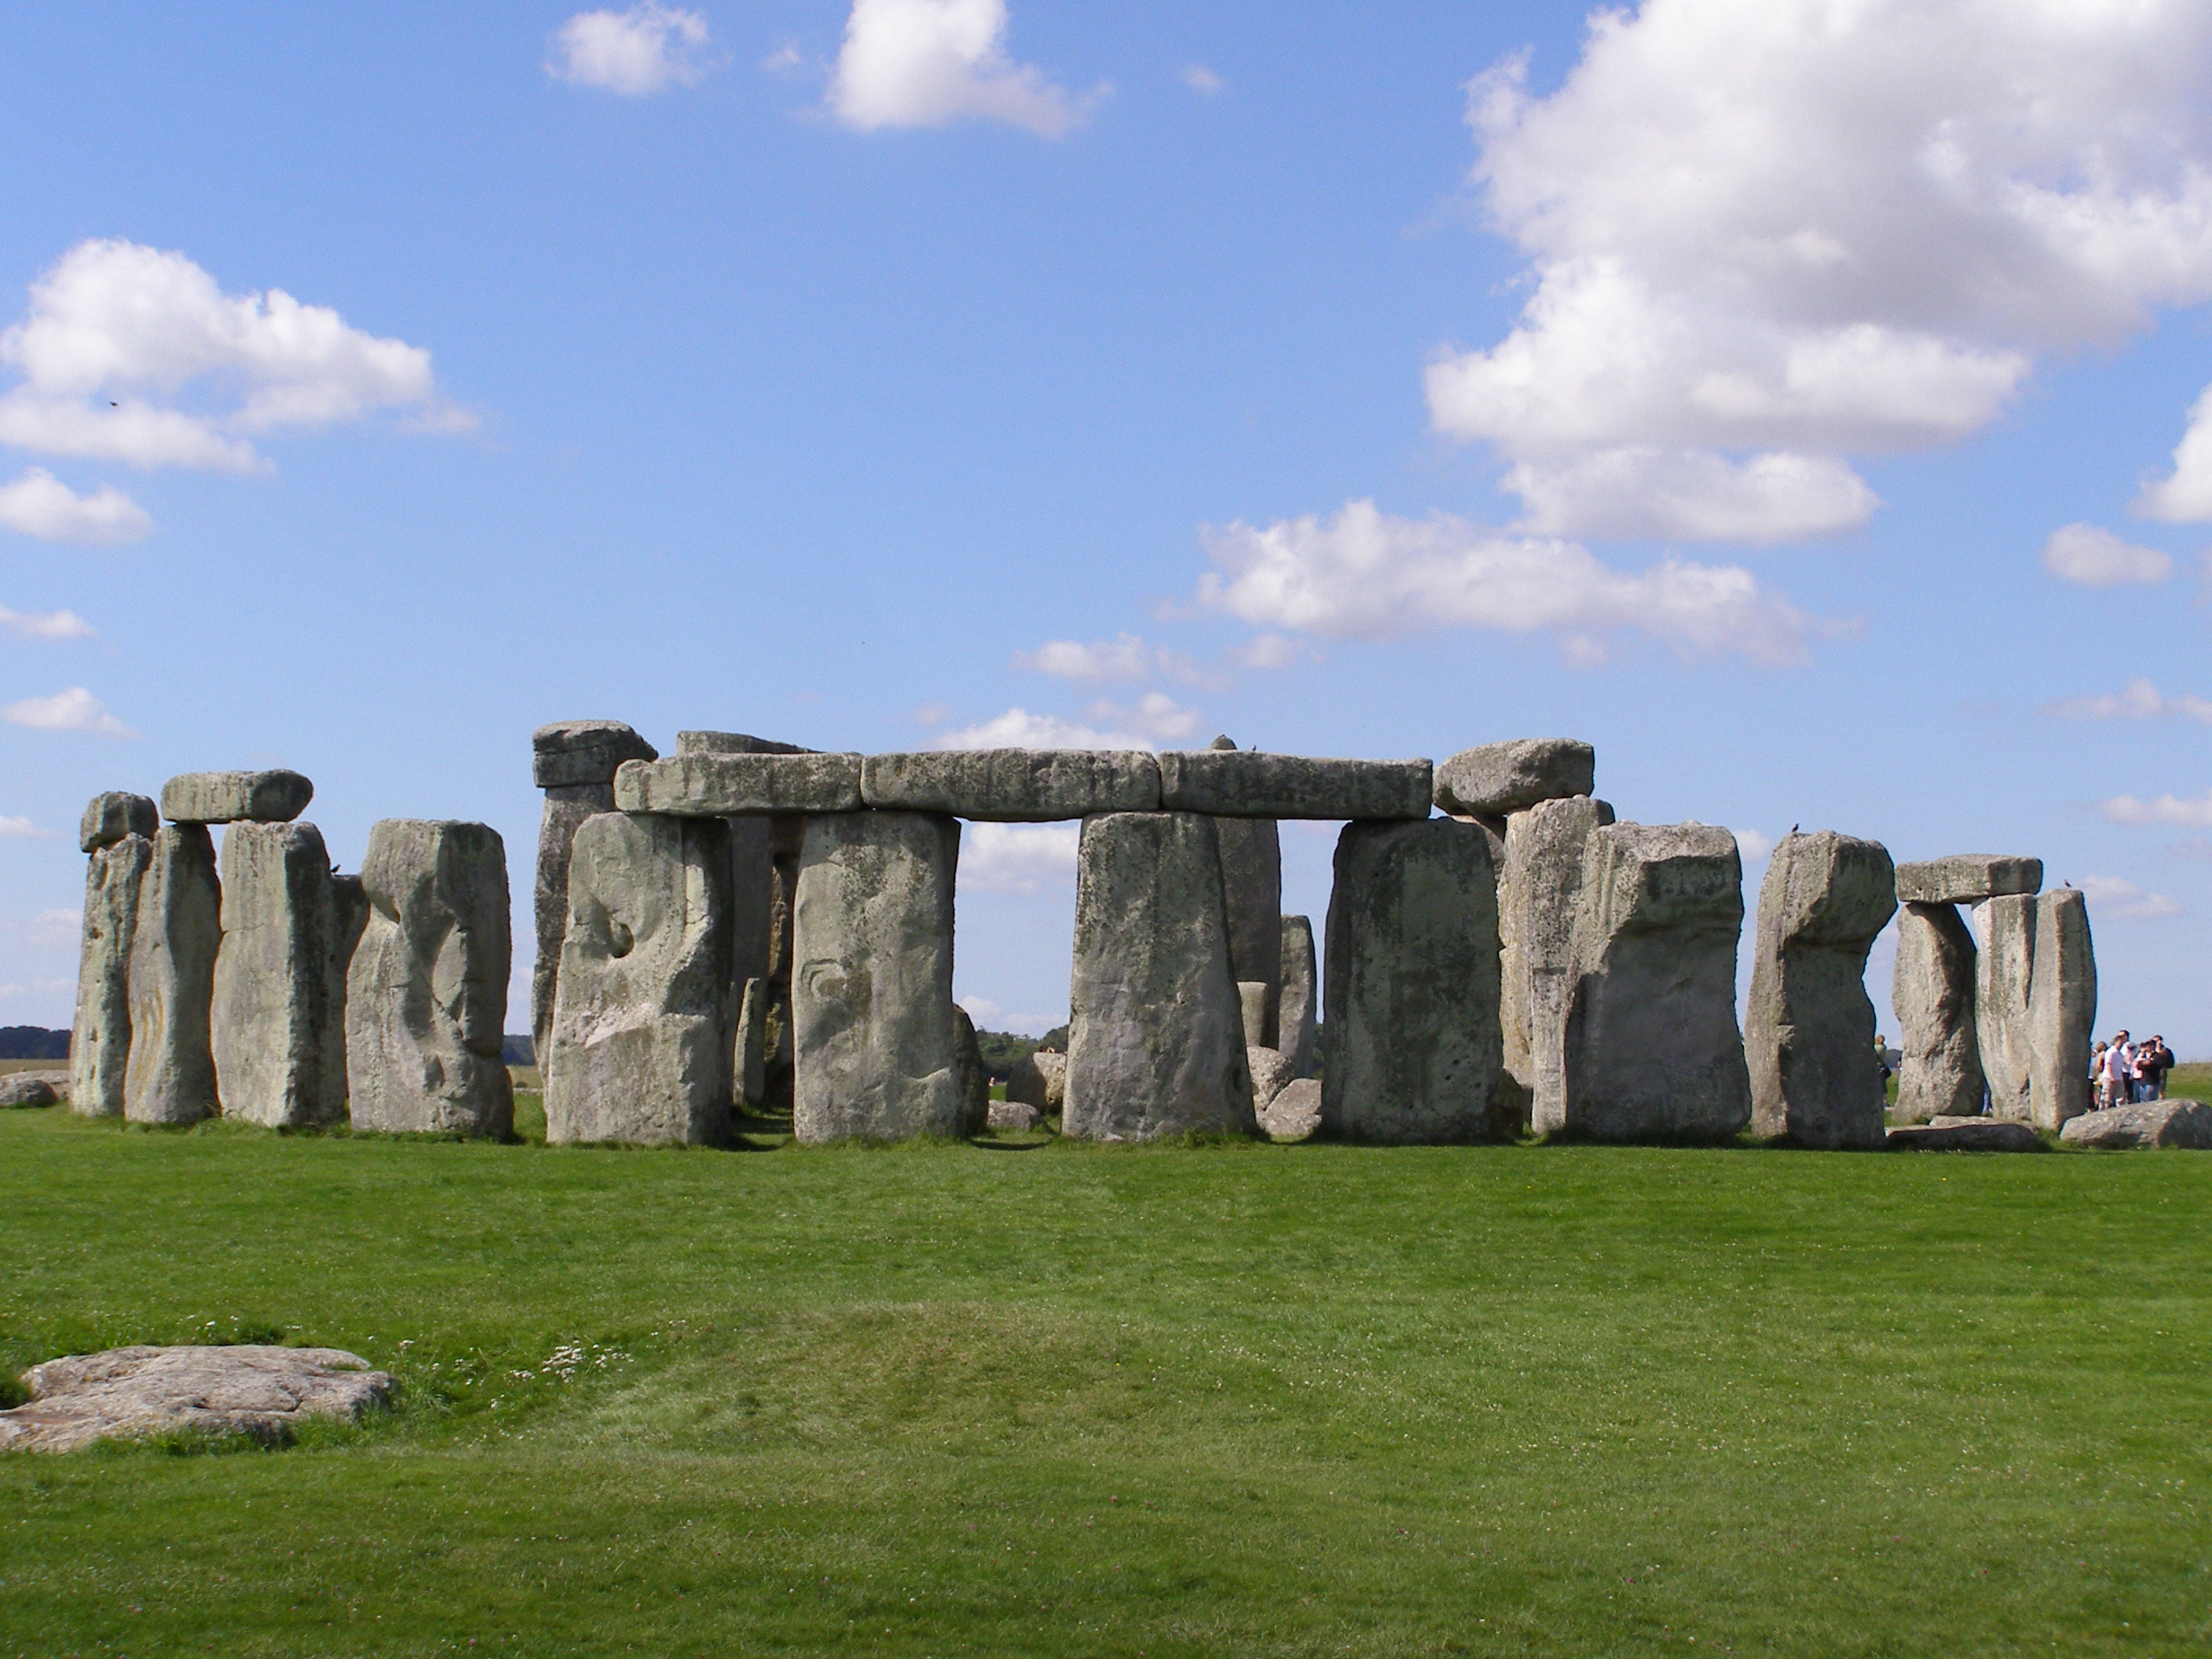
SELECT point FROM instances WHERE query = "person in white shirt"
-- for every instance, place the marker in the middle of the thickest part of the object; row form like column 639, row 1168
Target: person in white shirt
column 2119, row 1071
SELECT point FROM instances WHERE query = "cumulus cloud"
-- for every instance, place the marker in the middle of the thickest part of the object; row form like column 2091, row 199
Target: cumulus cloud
column 1124, row 657
column 1766, row 235
column 1018, row 858
column 2139, row 700
column 1157, row 718
column 633, row 52
column 21, row 828
column 1751, row 845
column 1367, row 574
column 132, row 354
column 2196, row 813
column 40, row 504
column 2111, row 899
column 928, row 63
column 45, row 625
column 2185, row 494
column 74, row 710
column 2082, row 553
column 1202, row 80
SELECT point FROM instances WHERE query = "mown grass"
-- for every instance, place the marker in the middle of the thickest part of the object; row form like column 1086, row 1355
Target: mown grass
column 972, row 1399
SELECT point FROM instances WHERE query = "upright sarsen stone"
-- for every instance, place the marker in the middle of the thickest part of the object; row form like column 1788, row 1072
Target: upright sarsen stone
column 642, row 1045
column 2062, row 1010
column 425, row 994
column 1252, row 886
column 100, row 1041
column 1538, row 891
column 1297, row 1017
column 574, row 763
column 1808, row 1036
column 276, row 1038
column 2004, row 971
column 1932, row 994
column 1650, row 1045
column 1156, row 1046
column 1412, row 977
column 170, row 1078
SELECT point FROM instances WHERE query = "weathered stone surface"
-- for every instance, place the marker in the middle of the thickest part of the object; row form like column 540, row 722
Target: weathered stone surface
column 2183, row 1123
column 1245, row 783
column 872, row 1022
column 568, row 753
column 1013, row 1117
column 751, row 1063
column 974, row 1079
column 2062, row 1010
column 1809, row 1029
column 426, row 994
column 1295, row 1113
column 273, row 796
column 2004, row 971
column 1538, row 889
column 752, row 874
column 566, row 806
column 1932, row 994
column 28, row 1089
column 1013, row 785
column 349, row 921
column 170, row 1075
column 1980, row 1134
column 1298, row 1006
column 1252, row 1003
column 1414, row 1047
column 642, row 1042
column 725, row 742
column 1499, row 779
column 1157, row 1043
column 1650, row 1043
column 733, row 785
column 271, row 1023
column 1271, row 1073
column 100, row 1041
column 131, row 1393
column 1040, row 1080
column 109, row 817
column 1967, row 878
column 1252, row 888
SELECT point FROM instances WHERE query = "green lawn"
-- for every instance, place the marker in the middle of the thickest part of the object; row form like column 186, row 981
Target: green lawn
column 1221, row 1400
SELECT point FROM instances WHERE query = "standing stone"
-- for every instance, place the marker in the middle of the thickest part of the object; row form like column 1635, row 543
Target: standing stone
column 271, row 1023
column 1809, row 1034
column 778, row 1079
column 1156, row 1046
column 171, row 1074
column 574, row 763
column 1933, row 996
column 1252, row 884
column 1414, row 1047
column 1252, row 1002
column 99, row 1042
column 641, row 1046
column 426, row 994
column 349, row 921
column 1650, row 1049
column 975, row 1079
column 1537, row 895
column 1298, row 1006
column 2061, row 1011
column 2004, row 971
column 750, row 1078
column 875, row 1048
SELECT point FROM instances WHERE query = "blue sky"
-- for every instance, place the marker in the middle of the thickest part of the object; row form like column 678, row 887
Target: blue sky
column 1783, row 396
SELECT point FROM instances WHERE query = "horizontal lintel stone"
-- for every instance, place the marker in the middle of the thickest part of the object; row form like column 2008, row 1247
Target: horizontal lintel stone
column 732, row 743
column 1498, row 778
column 570, row 752
column 1967, row 878
column 1013, row 785
column 273, row 796
column 1247, row 783
column 738, row 786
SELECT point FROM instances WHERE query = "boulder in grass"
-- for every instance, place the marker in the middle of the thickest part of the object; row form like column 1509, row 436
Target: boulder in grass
column 1964, row 1134
column 2180, row 1123
column 1294, row 1114
column 27, row 1088
column 1271, row 1072
column 133, row 1392
column 1039, row 1080
column 1014, row 1117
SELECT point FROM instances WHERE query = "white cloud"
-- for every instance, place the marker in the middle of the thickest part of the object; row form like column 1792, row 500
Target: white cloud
column 45, row 625
column 2114, row 899
column 2139, row 700
column 1124, row 657
column 1366, row 575
column 2196, row 814
column 2097, row 558
column 1202, row 80
column 2184, row 496
column 1270, row 651
column 992, row 1017
column 1765, row 236
column 634, row 53
column 74, row 710
column 21, row 828
column 927, row 63
column 40, row 504
column 1751, row 845
column 1018, row 858
column 54, row 926
column 117, row 334
column 1156, row 719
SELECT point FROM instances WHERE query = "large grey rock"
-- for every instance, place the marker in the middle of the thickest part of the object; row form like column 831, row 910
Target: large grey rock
column 426, row 995
column 731, row 785
column 1967, row 878
column 1271, row 1074
column 1252, row 1001
column 1932, row 992
column 1809, row 1031
column 2004, row 971
column 1245, row 783
column 1157, row 1043
column 28, row 1089
column 2062, row 1010
column 1497, row 779
column 974, row 1079
column 727, row 742
column 1297, row 1006
column 1649, row 1045
column 1295, row 1113
column 271, row 1025
column 126, row 1394
column 273, row 796
column 1414, row 1048
column 349, row 921
column 1538, row 889
column 754, row 914
column 100, row 1041
column 170, row 1076
column 1013, row 1117
column 1040, row 1079
column 566, row 806
column 642, row 1042
column 2183, row 1123
column 1981, row 1134
column 749, row 1068
column 872, row 1024
column 109, row 817
column 1013, row 785
column 567, row 753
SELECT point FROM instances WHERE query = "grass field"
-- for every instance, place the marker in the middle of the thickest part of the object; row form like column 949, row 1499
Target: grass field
column 1059, row 1400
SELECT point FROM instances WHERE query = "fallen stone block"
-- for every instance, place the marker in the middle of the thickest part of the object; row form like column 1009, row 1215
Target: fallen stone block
column 109, row 817
column 1967, row 878
column 277, row 1041
column 1983, row 1134
column 99, row 1038
column 1932, row 994
column 1539, row 889
column 2062, row 1010
column 1039, row 1080
column 740, row 786
column 1012, row 786
column 567, row 753
column 170, row 1075
column 2179, row 1123
column 1245, row 783
column 1298, row 1005
column 1271, row 1074
column 1013, row 1117
column 1295, row 1113
column 974, row 1079
column 128, row 1393
column 2004, row 972
column 28, row 1089
column 274, row 797
column 1497, row 779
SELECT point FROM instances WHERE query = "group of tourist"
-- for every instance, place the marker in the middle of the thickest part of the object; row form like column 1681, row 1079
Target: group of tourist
column 2126, row 1073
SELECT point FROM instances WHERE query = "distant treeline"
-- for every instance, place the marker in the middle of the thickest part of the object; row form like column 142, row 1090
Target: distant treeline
column 1004, row 1050
column 33, row 1043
